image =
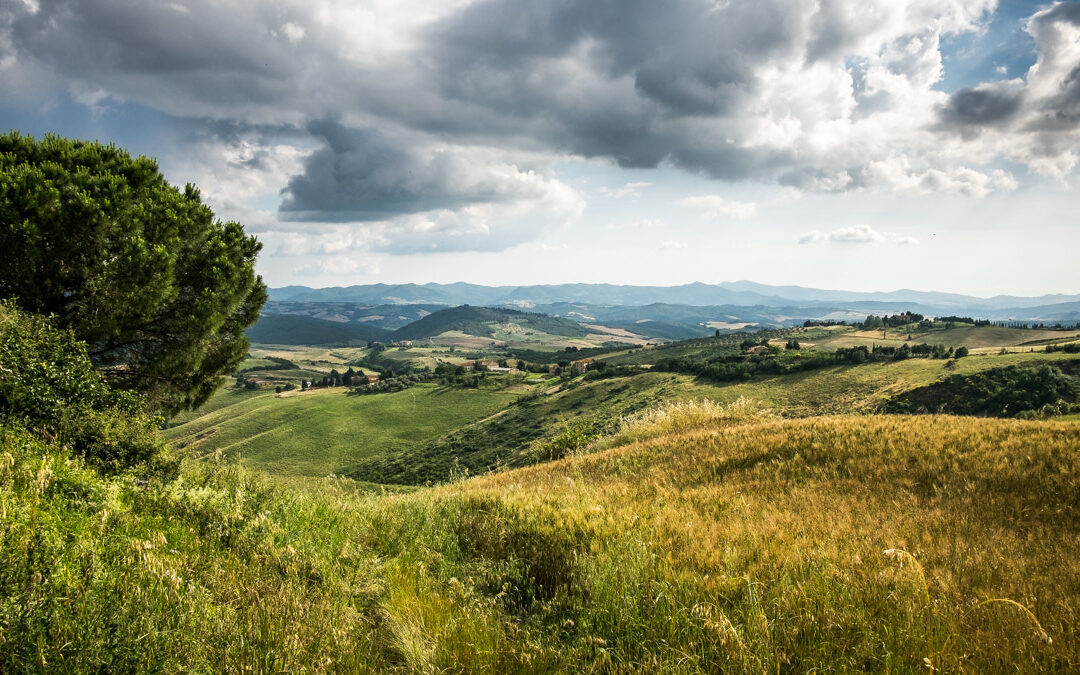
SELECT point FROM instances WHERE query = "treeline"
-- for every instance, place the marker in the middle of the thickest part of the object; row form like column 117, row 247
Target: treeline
column 601, row 370
column 399, row 383
column 733, row 368
column 1013, row 391
column 350, row 378
column 861, row 353
column 728, row 368
column 873, row 322
column 1070, row 348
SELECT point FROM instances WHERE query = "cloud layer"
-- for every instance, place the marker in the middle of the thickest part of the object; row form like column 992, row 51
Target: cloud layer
column 437, row 126
column 858, row 234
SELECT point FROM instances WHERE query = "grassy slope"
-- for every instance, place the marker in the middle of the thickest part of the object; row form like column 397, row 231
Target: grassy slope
column 319, row 433
column 702, row 541
column 539, row 427
column 484, row 322
column 863, row 388
column 521, row 434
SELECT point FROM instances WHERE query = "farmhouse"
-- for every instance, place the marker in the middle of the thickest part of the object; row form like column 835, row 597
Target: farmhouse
column 581, row 365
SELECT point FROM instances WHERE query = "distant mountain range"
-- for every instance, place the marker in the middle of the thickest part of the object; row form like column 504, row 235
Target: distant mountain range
column 379, row 299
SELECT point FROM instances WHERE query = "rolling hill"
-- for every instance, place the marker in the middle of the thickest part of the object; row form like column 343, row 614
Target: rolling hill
column 698, row 538
column 387, row 317
column 483, row 322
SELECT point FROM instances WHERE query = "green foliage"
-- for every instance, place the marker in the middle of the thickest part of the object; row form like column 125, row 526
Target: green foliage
column 391, row 384
column 1068, row 348
column 141, row 271
column 48, row 384
column 1000, row 392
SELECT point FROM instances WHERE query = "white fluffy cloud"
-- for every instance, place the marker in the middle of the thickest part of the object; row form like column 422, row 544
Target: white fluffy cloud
column 858, row 234
column 716, row 207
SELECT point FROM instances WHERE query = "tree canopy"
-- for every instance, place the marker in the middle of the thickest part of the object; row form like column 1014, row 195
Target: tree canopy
column 159, row 289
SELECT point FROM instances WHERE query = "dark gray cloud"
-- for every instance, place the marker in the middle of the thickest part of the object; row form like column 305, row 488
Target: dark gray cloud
column 197, row 57
column 1036, row 120
column 613, row 79
column 362, row 174
column 435, row 115
column 981, row 106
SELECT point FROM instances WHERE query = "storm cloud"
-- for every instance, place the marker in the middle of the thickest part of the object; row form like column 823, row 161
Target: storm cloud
column 444, row 123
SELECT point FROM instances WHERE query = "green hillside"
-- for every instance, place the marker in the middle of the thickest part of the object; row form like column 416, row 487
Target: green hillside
column 317, row 433
column 560, row 416
column 292, row 329
column 484, row 322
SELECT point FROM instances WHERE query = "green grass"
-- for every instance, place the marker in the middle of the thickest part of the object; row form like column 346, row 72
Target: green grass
column 706, row 539
column 319, row 432
column 326, row 432
column 544, row 424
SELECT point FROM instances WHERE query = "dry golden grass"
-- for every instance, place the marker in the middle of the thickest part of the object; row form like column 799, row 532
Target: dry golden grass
column 708, row 538
column 778, row 530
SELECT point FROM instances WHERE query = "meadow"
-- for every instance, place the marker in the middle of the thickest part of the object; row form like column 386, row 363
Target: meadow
column 697, row 537
column 319, row 432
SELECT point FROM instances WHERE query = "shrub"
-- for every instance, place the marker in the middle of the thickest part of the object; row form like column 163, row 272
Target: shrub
column 47, row 383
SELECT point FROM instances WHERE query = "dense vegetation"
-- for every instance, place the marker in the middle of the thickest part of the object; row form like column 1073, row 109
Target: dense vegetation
column 1000, row 392
column 49, row 387
column 639, row 529
column 141, row 271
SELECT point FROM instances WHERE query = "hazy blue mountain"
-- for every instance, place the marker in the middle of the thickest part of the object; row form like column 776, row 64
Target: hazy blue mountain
column 389, row 317
column 292, row 329
column 742, row 293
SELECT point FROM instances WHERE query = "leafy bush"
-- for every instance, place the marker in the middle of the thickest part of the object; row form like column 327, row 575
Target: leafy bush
column 1000, row 392
column 47, row 383
column 1068, row 348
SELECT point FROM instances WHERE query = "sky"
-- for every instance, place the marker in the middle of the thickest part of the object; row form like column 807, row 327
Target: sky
column 848, row 144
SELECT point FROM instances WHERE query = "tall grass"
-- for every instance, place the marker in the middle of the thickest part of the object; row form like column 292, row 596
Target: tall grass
column 684, row 416
column 709, row 538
